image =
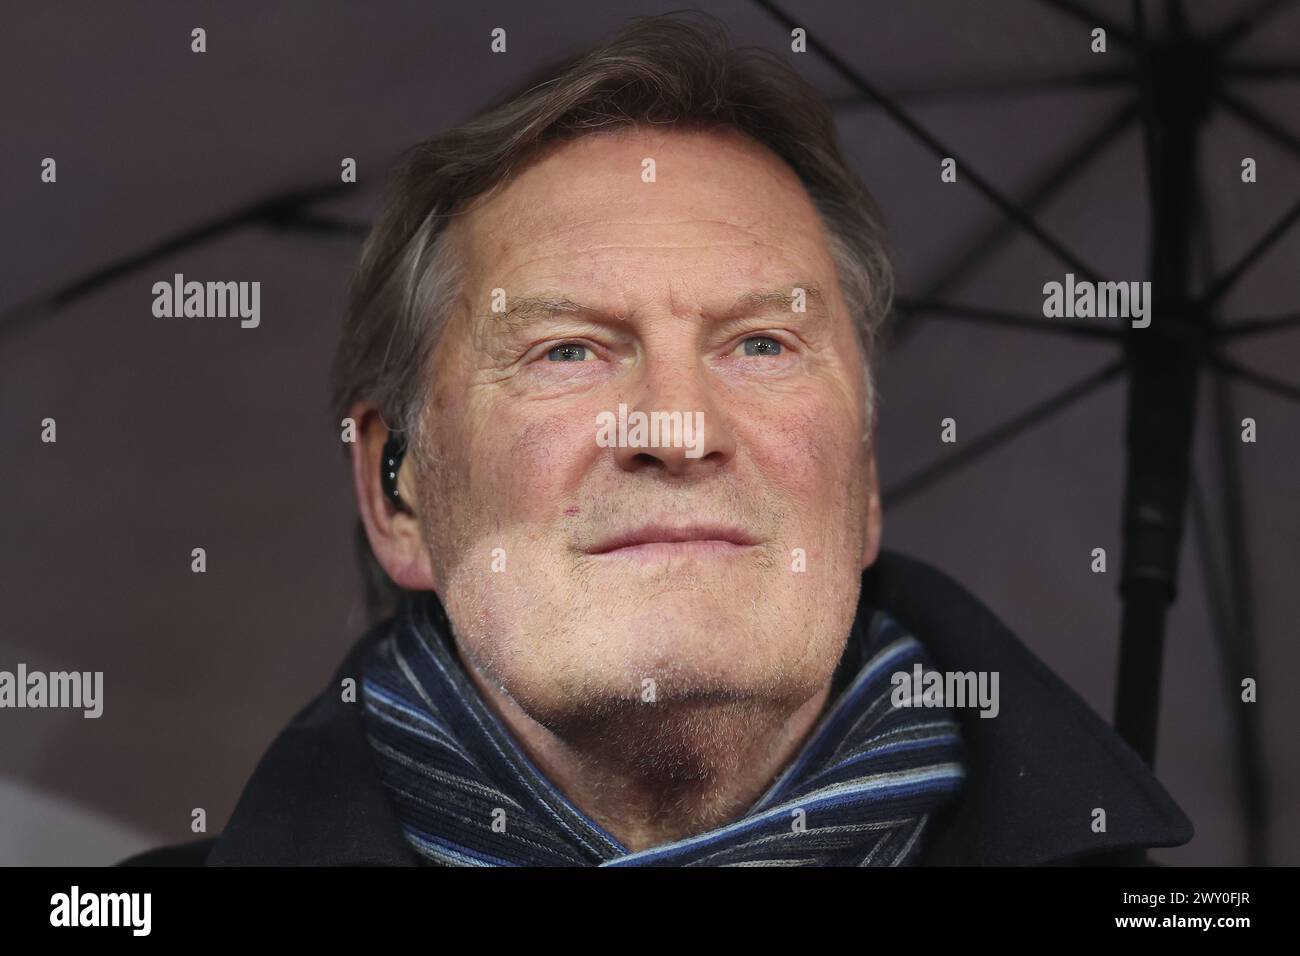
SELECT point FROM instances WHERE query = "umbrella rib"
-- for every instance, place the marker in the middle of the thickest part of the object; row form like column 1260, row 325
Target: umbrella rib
column 1015, row 86
column 1266, row 382
column 1151, row 142
column 313, row 224
column 983, row 316
column 1262, row 70
column 1233, row 626
column 1003, row 433
column 1222, row 285
column 1243, row 327
column 1242, row 612
column 905, row 119
column 1244, row 111
column 1236, row 652
column 1084, row 15
column 282, row 211
column 1057, row 178
column 1243, row 25
column 1291, row 142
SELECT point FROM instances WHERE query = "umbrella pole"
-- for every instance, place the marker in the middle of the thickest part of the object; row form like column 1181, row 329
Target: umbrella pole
column 1165, row 362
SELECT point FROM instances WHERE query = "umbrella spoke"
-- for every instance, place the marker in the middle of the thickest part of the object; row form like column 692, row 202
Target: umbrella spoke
column 313, row 224
column 1221, row 286
column 1236, row 657
column 283, row 211
column 905, row 119
column 1013, row 86
column 1234, row 626
column 1242, row 25
column 1266, row 382
column 1280, row 135
column 1003, row 433
column 1211, row 574
column 991, row 240
column 1081, row 13
column 1028, row 323
column 1241, row 327
column 1262, row 71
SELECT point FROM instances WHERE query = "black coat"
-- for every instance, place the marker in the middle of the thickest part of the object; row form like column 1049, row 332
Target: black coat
column 1035, row 772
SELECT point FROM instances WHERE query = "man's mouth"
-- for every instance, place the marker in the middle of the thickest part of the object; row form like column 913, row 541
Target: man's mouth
column 651, row 542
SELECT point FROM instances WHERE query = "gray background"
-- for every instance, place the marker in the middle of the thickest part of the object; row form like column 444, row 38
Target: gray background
column 178, row 434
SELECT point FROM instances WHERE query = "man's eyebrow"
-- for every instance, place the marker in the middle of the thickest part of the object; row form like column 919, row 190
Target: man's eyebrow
column 528, row 308
column 525, row 309
column 761, row 300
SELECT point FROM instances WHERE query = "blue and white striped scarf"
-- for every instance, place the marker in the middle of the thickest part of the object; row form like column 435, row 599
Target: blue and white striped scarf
column 859, row 793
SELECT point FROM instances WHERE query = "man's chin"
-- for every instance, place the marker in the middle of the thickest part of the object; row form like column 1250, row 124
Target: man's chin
column 685, row 698
column 671, row 654
column 683, row 628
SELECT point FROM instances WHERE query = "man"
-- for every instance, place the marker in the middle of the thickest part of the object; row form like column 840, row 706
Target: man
column 609, row 354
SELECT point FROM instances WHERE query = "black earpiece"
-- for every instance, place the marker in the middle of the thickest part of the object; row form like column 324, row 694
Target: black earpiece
column 390, row 463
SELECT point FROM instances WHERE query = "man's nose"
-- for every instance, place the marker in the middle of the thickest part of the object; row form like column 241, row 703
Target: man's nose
column 674, row 420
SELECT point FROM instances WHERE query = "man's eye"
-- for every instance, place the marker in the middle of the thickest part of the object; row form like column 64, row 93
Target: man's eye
column 761, row 345
column 568, row 353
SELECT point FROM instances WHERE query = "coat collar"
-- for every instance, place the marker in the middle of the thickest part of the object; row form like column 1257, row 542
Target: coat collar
column 1038, row 771
column 1035, row 773
column 315, row 798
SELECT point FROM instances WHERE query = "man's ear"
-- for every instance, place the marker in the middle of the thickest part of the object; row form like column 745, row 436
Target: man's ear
column 872, row 530
column 395, row 535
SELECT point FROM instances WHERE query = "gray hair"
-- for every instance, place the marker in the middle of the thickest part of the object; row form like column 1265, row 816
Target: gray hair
column 676, row 69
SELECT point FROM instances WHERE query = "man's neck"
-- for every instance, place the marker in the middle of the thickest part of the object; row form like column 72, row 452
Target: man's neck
column 651, row 774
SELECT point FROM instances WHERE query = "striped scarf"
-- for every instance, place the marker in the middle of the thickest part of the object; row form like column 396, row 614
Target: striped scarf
column 859, row 793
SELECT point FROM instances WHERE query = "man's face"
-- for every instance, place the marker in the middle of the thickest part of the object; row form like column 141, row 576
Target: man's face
column 578, row 576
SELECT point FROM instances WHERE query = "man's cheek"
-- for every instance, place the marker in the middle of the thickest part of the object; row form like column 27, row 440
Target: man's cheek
column 798, row 452
column 534, row 459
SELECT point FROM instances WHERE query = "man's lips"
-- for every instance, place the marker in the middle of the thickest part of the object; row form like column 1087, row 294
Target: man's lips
column 699, row 539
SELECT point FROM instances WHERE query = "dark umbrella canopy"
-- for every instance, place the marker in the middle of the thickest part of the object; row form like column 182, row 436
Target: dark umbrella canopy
column 174, row 435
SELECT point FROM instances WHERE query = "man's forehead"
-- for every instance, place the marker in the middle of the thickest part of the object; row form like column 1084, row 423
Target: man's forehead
column 710, row 185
